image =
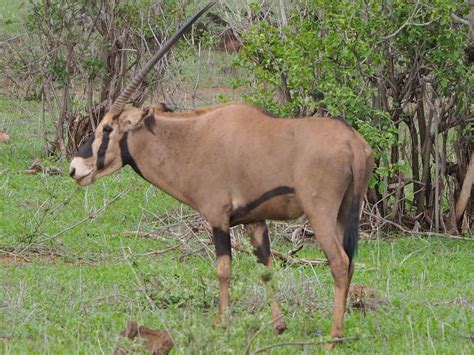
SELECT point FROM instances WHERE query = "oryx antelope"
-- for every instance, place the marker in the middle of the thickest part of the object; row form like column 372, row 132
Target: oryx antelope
column 237, row 165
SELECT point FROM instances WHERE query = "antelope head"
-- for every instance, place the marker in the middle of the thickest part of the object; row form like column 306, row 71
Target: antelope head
column 105, row 151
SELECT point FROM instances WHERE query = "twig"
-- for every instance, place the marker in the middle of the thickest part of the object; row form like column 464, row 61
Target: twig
column 303, row 343
column 247, row 350
column 89, row 217
column 407, row 22
column 140, row 284
column 470, row 337
column 290, row 259
column 161, row 251
column 15, row 255
column 461, row 20
column 295, row 249
column 447, row 236
column 300, row 261
column 419, row 234
column 284, row 257
column 140, row 234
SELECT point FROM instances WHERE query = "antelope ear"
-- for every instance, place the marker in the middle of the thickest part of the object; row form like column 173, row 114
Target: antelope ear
column 160, row 107
column 147, row 111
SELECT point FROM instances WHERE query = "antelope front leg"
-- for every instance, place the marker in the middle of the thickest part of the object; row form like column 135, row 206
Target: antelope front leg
column 261, row 242
column 224, row 268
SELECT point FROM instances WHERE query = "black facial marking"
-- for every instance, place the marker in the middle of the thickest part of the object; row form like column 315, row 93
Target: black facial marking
column 221, row 242
column 107, row 129
column 242, row 211
column 150, row 123
column 127, row 158
column 101, row 153
column 263, row 250
column 85, row 150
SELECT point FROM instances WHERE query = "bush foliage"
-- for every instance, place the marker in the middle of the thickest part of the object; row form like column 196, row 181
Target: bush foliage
column 393, row 69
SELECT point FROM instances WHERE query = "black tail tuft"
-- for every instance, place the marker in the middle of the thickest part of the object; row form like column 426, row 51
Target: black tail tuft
column 351, row 234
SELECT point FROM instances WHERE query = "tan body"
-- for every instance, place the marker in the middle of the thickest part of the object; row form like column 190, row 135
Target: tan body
column 237, row 153
column 236, row 165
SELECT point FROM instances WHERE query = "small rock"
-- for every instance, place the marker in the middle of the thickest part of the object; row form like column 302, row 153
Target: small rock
column 4, row 138
column 158, row 341
column 36, row 168
column 363, row 298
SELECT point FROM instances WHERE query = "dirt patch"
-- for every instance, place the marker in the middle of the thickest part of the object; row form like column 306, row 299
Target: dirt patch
column 460, row 301
column 363, row 298
column 4, row 138
column 37, row 168
column 15, row 258
column 10, row 256
column 18, row 256
column 156, row 341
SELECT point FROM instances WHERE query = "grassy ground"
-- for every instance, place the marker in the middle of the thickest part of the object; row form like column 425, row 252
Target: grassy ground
column 76, row 265
column 72, row 274
column 11, row 13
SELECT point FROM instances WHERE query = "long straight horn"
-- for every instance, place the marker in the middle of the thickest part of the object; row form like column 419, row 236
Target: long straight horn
column 125, row 95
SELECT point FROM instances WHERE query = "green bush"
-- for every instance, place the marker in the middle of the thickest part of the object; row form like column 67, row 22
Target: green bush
column 372, row 63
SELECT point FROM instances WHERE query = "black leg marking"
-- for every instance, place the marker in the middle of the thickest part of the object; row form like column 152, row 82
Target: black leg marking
column 85, row 150
column 263, row 250
column 221, row 242
column 127, row 158
column 242, row 211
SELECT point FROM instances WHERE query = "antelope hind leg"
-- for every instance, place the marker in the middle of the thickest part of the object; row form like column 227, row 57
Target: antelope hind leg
column 261, row 242
column 224, row 268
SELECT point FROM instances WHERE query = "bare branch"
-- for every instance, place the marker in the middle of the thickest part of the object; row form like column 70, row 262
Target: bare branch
column 406, row 23
column 462, row 21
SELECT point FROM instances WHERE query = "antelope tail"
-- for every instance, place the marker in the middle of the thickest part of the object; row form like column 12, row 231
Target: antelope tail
column 351, row 232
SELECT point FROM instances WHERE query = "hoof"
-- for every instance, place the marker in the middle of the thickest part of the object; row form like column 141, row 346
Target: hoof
column 332, row 344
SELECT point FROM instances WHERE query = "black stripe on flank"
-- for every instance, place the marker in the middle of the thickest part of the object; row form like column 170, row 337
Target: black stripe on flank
column 127, row 158
column 102, row 150
column 221, row 242
column 277, row 191
column 85, row 150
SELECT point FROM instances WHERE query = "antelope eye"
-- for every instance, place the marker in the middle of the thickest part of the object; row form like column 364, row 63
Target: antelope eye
column 108, row 129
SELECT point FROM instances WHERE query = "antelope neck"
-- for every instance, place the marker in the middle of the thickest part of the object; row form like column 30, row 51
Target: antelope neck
column 159, row 155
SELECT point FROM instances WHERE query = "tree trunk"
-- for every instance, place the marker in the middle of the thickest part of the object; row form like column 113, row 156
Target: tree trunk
column 463, row 198
column 415, row 166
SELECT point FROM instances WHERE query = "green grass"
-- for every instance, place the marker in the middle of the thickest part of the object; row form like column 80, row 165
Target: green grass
column 80, row 299
column 11, row 13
